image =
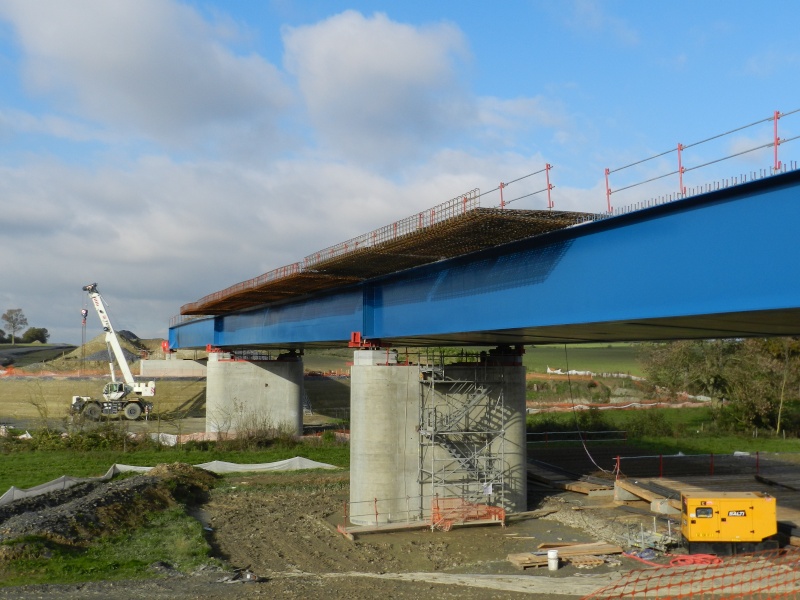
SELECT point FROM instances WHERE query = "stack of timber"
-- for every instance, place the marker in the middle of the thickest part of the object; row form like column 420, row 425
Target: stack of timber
column 578, row 554
column 562, row 480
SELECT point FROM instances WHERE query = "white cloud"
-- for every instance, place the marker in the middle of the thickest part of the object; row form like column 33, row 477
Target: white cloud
column 772, row 61
column 378, row 90
column 159, row 230
column 590, row 15
column 147, row 67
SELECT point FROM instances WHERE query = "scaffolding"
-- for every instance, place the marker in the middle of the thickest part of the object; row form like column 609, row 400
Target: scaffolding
column 462, row 423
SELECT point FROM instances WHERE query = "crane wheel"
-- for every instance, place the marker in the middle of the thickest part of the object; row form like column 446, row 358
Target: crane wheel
column 92, row 411
column 133, row 411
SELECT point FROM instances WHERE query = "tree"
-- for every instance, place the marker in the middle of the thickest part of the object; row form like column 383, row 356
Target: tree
column 754, row 380
column 35, row 334
column 15, row 319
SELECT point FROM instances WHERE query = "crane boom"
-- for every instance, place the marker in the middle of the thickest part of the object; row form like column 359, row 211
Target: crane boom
column 112, row 341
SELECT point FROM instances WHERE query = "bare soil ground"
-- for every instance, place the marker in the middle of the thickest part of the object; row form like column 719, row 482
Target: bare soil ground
column 281, row 529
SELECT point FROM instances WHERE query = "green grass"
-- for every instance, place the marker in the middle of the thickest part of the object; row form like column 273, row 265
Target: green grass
column 665, row 431
column 25, row 469
column 598, row 358
column 171, row 537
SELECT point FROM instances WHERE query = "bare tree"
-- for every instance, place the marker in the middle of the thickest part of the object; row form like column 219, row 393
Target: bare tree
column 16, row 321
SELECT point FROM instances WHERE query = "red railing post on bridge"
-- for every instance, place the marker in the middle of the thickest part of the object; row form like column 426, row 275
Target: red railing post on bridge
column 608, row 191
column 777, row 140
column 681, row 170
column 464, row 206
column 502, row 202
column 547, row 168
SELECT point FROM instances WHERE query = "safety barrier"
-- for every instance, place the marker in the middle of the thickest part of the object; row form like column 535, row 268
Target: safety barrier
column 435, row 511
column 769, row 574
column 709, row 465
column 547, row 437
column 446, row 512
column 454, row 207
column 682, row 191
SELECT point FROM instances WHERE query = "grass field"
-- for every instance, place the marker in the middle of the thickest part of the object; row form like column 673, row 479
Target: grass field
column 25, row 468
column 598, row 358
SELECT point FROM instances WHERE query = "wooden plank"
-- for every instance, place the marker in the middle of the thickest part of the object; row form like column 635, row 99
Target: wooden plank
column 564, row 482
column 639, row 491
column 593, row 548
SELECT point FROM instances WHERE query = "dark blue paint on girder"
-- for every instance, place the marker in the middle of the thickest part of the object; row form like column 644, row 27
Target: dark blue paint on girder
column 721, row 264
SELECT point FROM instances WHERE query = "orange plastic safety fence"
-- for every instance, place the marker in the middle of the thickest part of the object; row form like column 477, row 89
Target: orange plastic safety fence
column 762, row 575
column 445, row 512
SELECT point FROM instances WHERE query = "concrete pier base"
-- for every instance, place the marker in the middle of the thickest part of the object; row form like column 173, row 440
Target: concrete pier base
column 417, row 433
column 253, row 396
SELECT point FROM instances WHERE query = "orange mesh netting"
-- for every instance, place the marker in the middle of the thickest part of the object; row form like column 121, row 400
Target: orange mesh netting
column 769, row 574
column 446, row 512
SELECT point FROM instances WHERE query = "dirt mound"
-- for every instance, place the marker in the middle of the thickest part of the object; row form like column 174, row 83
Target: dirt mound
column 76, row 516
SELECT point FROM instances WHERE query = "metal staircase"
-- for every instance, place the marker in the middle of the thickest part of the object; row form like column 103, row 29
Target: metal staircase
column 461, row 433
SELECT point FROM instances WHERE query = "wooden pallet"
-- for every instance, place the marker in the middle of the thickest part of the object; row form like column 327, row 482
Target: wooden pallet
column 586, row 562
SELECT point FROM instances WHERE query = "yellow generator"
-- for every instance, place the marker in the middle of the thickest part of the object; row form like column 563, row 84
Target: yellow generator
column 728, row 522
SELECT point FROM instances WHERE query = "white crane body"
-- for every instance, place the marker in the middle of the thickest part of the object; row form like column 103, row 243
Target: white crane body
column 116, row 393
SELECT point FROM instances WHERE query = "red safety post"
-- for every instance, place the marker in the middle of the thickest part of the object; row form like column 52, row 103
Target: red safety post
column 608, row 192
column 464, row 206
column 681, row 170
column 547, row 168
column 777, row 140
column 619, row 466
column 502, row 202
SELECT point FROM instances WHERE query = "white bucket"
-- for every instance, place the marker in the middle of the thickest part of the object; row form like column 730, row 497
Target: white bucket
column 552, row 560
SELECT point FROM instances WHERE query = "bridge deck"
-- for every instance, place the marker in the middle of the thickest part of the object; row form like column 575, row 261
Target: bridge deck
column 474, row 230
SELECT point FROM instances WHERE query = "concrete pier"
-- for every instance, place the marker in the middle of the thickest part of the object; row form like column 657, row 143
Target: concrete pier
column 258, row 395
column 420, row 432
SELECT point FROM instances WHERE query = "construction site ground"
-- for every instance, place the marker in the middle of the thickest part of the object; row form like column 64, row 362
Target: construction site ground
column 280, row 527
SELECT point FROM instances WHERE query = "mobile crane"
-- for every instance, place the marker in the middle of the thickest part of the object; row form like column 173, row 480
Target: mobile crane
column 116, row 394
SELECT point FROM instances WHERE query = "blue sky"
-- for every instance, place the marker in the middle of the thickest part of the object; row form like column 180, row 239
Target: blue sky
column 169, row 149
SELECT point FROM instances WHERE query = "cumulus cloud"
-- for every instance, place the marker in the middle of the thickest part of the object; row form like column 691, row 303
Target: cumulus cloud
column 379, row 90
column 147, row 67
column 157, row 229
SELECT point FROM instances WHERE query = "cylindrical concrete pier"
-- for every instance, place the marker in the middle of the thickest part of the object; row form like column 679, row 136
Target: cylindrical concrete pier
column 384, row 444
column 457, row 432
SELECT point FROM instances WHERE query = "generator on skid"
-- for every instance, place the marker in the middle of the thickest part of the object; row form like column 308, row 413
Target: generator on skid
column 728, row 522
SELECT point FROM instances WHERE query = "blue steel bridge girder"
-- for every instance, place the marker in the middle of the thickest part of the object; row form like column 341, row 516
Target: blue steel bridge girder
column 721, row 264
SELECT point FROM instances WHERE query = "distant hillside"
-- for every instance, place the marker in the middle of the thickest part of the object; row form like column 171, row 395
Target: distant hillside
column 95, row 350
